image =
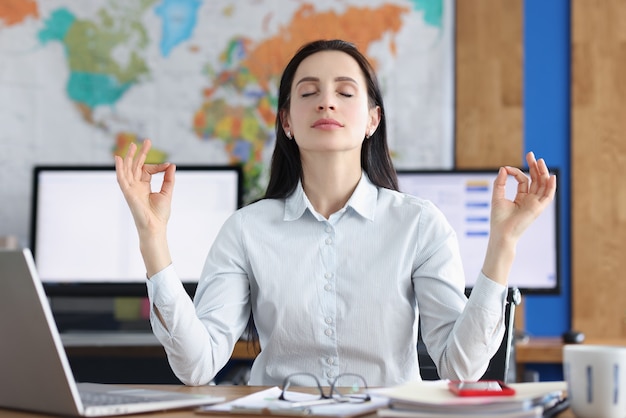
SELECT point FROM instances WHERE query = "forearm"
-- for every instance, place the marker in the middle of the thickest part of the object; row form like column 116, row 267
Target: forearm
column 463, row 337
column 499, row 259
column 175, row 324
column 155, row 252
column 198, row 339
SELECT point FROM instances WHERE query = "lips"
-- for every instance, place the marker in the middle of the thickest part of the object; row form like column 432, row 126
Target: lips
column 326, row 124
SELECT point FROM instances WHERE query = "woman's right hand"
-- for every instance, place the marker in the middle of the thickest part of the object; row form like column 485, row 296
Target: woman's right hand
column 150, row 210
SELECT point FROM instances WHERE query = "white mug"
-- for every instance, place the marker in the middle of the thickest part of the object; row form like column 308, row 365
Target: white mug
column 596, row 380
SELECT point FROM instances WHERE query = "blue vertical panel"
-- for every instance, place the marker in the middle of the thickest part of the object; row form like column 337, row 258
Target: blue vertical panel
column 547, row 133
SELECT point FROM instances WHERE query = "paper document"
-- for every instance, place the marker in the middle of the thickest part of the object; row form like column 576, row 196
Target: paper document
column 420, row 398
column 536, row 412
column 266, row 402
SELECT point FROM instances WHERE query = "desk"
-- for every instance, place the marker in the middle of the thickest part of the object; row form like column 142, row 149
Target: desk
column 229, row 392
column 550, row 349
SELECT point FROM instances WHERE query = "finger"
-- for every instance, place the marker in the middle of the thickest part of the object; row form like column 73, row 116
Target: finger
column 543, row 168
column 155, row 168
column 549, row 190
column 126, row 171
column 531, row 161
column 119, row 171
column 130, row 154
column 539, row 177
column 168, row 179
column 122, row 167
column 141, row 158
column 523, row 182
column 499, row 184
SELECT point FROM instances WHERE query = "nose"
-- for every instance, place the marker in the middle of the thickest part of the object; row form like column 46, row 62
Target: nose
column 326, row 101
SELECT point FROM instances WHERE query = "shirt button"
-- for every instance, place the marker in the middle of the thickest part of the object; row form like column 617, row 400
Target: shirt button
column 330, row 375
column 330, row 360
column 328, row 287
column 328, row 332
column 328, row 229
column 329, row 241
column 328, row 275
column 329, row 320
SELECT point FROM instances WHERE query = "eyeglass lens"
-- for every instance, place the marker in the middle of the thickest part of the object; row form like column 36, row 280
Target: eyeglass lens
column 300, row 383
column 350, row 387
column 345, row 388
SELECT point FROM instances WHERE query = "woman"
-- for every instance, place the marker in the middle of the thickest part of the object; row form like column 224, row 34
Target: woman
column 334, row 263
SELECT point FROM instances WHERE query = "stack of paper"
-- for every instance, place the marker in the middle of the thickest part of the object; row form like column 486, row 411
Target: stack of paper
column 266, row 403
column 433, row 399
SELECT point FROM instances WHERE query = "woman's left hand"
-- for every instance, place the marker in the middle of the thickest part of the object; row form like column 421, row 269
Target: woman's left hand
column 510, row 218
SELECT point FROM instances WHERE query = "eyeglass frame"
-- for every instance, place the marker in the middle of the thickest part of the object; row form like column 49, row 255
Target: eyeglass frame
column 323, row 396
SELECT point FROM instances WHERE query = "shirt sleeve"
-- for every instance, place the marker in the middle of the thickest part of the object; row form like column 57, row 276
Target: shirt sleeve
column 461, row 335
column 199, row 335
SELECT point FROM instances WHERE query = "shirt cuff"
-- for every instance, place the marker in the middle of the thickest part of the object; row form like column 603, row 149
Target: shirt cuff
column 488, row 294
column 163, row 285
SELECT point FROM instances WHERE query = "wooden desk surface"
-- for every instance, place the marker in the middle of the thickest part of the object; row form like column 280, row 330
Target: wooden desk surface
column 229, row 392
column 550, row 349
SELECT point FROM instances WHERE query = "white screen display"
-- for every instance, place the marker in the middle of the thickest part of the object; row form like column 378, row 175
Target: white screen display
column 83, row 231
column 464, row 197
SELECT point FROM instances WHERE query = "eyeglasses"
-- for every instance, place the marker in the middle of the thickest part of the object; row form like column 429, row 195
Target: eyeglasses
column 347, row 387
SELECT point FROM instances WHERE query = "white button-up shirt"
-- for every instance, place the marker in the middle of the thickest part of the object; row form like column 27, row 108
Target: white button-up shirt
column 333, row 295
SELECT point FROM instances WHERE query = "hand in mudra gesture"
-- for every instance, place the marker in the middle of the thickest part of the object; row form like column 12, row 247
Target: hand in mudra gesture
column 150, row 210
column 511, row 217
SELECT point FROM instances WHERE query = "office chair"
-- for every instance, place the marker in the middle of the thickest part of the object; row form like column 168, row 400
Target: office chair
column 501, row 366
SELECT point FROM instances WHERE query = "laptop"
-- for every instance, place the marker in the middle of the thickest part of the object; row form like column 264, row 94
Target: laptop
column 34, row 368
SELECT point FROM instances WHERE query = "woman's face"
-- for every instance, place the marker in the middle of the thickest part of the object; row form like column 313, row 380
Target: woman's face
column 329, row 108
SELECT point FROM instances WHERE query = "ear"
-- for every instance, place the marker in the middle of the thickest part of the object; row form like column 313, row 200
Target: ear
column 374, row 121
column 284, row 120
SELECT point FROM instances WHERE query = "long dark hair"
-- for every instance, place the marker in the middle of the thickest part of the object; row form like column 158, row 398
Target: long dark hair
column 286, row 166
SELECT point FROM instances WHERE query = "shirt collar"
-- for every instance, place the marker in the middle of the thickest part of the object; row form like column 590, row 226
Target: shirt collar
column 363, row 200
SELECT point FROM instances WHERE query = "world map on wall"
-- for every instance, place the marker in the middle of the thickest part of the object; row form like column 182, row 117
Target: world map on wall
column 82, row 80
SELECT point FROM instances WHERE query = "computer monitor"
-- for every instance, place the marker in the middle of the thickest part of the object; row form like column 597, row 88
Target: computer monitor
column 84, row 239
column 464, row 197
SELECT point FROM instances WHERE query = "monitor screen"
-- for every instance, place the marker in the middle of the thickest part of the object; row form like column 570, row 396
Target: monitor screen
column 464, row 197
column 84, row 239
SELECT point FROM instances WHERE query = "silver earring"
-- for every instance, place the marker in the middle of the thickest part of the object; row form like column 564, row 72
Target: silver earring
column 289, row 134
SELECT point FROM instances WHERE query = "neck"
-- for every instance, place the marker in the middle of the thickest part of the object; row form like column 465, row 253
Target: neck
column 329, row 184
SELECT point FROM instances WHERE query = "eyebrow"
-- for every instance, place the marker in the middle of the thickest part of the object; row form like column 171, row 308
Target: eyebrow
column 315, row 79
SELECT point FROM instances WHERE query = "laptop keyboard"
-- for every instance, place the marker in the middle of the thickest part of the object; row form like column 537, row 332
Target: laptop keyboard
column 104, row 399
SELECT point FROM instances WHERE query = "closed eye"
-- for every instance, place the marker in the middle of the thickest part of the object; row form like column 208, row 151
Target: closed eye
column 340, row 93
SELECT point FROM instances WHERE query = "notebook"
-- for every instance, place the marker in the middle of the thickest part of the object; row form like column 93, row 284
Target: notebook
column 34, row 369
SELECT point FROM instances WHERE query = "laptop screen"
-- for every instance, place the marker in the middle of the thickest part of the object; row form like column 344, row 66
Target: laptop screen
column 84, row 239
column 464, row 197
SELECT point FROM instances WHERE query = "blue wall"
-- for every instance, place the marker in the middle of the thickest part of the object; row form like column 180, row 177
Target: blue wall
column 547, row 133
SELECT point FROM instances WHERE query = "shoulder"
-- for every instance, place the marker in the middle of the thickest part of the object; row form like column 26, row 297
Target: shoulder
column 392, row 199
column 253, row 218
column 411, row 210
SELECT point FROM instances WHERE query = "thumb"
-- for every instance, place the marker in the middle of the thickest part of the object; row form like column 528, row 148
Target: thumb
column 499, row 185
column 168, row 178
